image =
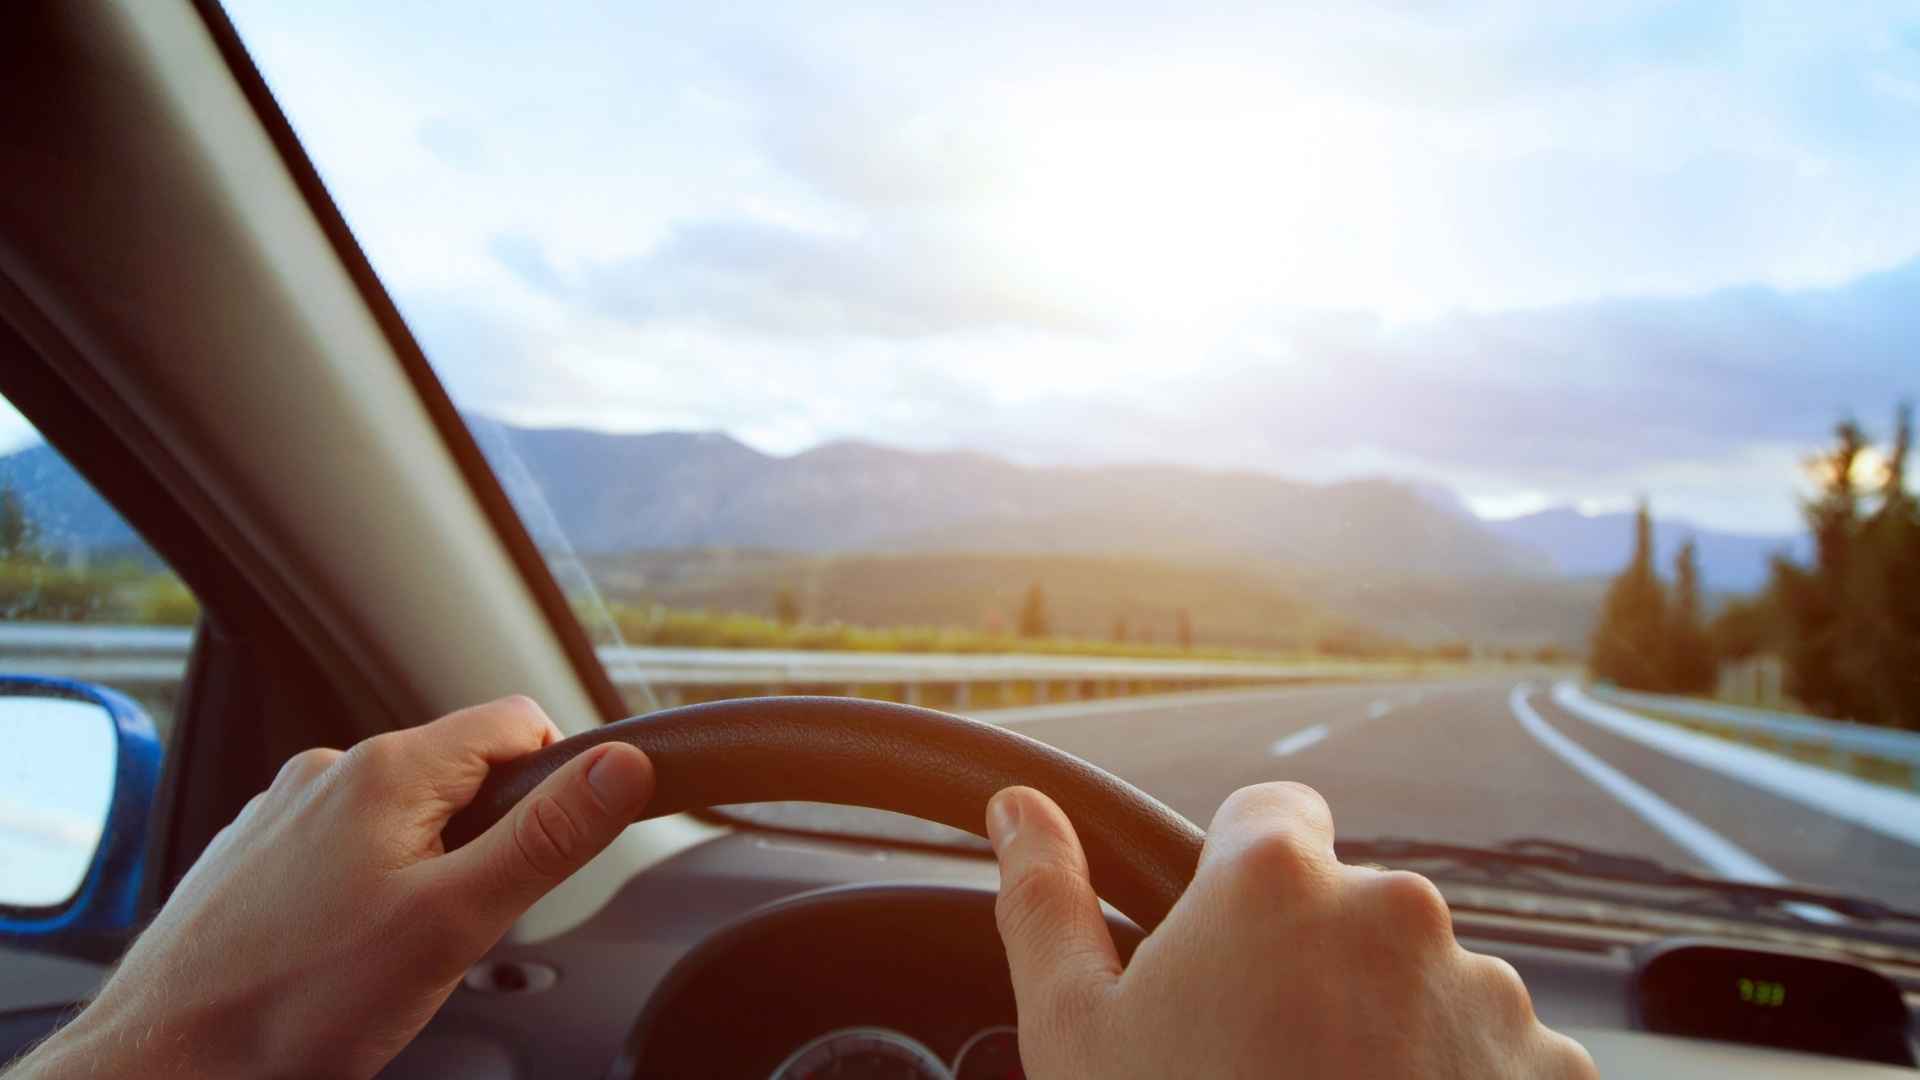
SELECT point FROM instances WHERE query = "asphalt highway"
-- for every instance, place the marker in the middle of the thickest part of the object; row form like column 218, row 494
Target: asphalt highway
column 1464, row 762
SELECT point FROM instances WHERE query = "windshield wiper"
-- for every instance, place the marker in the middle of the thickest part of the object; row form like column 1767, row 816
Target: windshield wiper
column 1521, row 860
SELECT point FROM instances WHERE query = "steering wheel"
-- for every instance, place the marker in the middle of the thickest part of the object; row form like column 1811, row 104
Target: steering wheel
column 929, row 764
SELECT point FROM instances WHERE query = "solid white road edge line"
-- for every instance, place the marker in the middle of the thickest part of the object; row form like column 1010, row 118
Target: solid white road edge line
column 1721, row 855
column 1298, row 741
column 1885, row 810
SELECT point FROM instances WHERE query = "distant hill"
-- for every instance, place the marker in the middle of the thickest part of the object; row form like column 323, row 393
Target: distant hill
column 883, row 536
column 1595, row 545
column 689, row 490
column 63, row 506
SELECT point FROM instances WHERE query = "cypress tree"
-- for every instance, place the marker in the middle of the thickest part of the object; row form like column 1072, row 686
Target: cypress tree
column 1690, row 663
column 1878, row 661
column 1629, row 644
column 1034, row 622
column 1814, row 602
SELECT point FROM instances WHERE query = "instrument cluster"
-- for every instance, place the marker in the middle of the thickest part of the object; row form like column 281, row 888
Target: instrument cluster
column 873, row 1053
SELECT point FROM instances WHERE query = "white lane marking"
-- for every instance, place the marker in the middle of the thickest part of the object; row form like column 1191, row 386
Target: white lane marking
column 1723, row 856
column 1885, row 810
column 1023, row 714
column 1298, row 741
column 1379, row 709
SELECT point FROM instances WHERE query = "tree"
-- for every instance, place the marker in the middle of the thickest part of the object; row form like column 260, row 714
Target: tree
column 1850, row 623
column 1033, row 613
column 17, row 533
column 1690, row 662
column 1744, row 628
column 786, row 607
column 1183, row 629
column 1813, row 601
column 1629, row 642
column 1878, row 634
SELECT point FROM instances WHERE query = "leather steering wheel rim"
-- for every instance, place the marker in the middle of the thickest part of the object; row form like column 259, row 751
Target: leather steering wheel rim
column 929, row 764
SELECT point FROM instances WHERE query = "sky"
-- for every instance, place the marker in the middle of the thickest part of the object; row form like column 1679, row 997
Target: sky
column 1536, row 253
column 56, row 787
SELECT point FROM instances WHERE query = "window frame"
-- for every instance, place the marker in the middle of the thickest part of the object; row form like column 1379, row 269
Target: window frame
column 250, row 695
column 447, row 421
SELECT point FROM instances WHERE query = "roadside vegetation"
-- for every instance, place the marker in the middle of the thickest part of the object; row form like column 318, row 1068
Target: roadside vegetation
column 38, row 585
column 1102, row 604
column 1846, row 629
column 948, row 603
column 663, row 626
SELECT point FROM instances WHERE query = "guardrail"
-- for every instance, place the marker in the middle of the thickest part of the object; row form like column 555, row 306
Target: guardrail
column 662, row 676
column 1886, row 754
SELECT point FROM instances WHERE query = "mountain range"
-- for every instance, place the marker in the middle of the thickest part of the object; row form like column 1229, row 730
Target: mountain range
column 1597, row 545
column 611, row 493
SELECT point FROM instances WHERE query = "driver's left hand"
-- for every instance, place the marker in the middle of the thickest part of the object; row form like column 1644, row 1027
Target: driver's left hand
column 322, row 929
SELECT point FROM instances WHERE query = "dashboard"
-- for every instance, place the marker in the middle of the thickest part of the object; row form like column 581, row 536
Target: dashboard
column 881, row 980
column 760, row 955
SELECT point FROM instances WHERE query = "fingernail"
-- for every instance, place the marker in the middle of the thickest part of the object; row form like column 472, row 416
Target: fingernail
column 615, row 783
column 1003, row 819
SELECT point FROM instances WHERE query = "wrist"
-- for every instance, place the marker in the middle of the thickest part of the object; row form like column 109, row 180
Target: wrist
column 99, row 1042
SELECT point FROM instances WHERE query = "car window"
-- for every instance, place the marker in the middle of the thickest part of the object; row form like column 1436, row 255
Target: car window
column 82, row 596
column 1489, row 416
column 84, row 603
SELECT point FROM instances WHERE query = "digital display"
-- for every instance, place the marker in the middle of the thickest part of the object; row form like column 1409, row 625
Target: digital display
column 1761, row 992
column 1783, row 999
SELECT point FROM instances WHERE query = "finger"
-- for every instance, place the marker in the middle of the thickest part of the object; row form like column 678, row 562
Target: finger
column 455, row 751
column 1404, row 912
column 1562, row 1056
column 305, row 767
column 1278, row 835
column 571, row 817
column 1058, row 945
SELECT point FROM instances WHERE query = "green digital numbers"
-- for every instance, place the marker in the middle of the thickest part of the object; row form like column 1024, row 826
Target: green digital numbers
column 1761, row 992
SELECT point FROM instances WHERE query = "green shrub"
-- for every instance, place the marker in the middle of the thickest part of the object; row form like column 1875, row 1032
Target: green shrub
column 662, row 626
column 165, row 601
column 35, row 590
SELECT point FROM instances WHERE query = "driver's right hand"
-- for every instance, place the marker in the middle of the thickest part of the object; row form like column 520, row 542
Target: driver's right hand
column 1278, row 961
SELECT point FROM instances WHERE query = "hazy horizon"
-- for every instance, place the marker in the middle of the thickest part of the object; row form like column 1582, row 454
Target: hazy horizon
column 1418, row 486
column 16, row 435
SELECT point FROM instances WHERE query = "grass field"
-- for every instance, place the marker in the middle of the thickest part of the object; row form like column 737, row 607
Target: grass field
column 1230, row 606
column 660, row 625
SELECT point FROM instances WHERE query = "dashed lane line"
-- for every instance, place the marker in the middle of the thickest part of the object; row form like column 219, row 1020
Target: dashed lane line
column 1298, row 741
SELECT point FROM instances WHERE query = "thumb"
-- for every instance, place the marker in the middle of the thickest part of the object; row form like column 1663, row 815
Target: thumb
column 1058, row 945
column 557, row 829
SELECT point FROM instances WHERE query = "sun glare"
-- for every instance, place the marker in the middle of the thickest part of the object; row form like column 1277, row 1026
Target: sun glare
column 1183, row 197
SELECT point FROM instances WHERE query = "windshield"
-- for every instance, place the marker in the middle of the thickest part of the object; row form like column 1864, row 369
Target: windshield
column 1490, row 415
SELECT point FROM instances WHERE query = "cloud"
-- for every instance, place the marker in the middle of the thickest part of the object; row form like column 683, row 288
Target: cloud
column 454, row 144
column 1537, row 252
column 1708, row 402
column 774, row 280
column 1624, row 384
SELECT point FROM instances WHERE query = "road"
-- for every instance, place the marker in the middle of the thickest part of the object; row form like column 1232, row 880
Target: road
column 1459, row 762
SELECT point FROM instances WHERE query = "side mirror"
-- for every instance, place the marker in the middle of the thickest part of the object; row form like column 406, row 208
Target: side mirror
column 77, row 777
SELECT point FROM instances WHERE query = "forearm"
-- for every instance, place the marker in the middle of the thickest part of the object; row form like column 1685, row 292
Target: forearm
column 86, row 1048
